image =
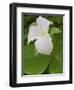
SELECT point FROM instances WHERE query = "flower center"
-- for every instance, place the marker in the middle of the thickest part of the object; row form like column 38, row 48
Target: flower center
column 43, row 33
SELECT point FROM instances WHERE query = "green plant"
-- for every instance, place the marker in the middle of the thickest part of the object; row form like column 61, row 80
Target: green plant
column 43, row 64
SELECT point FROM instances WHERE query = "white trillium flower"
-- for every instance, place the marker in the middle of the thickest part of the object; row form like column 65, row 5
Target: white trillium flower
column 39, row 33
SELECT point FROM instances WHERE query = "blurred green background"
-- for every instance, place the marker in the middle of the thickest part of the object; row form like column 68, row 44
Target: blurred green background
column 42, row 64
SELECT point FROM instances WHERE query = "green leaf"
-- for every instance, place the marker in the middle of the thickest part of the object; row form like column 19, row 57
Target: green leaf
column 56, row 59
column 55, row 66
column 34, row 23
column 54, row 30
column 32, row 63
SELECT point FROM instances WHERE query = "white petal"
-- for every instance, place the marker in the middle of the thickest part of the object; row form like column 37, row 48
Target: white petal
column 44, row 45
column 33, row 33
column 43, row 23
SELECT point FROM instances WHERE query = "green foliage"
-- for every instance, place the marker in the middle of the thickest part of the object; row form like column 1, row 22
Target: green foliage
column 34, row 64
column 34, row 23
column 43, row 64
column 54, row 30
column 56, row 58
